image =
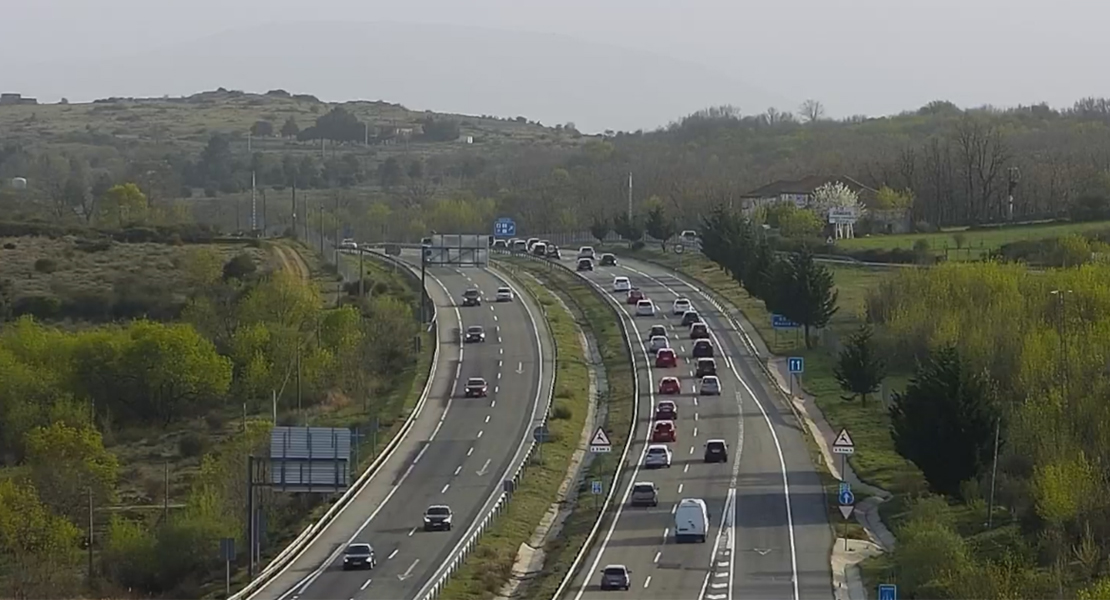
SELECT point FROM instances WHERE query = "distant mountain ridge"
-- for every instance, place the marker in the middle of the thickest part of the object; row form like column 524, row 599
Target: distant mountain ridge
column 544, row 77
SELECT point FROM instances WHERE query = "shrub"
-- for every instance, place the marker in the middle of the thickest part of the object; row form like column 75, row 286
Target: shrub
column 46, row 265
column 192, row 444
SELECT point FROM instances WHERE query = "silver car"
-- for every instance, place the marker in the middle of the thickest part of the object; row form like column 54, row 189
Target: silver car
column 644, row 493
column 710, row 386
column 657, row 456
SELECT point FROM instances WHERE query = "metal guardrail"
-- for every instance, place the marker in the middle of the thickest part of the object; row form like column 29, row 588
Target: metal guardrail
column 470, row 542
column 297, row 547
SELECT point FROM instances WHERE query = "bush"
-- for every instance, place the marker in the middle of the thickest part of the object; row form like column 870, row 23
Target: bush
column 561, row 412
column 192, row 445
column 46, row 265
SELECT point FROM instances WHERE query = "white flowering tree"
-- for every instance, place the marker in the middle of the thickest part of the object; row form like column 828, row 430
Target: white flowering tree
column 837, row 195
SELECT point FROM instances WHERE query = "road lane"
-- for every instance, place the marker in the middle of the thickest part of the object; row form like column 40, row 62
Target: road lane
column 460, row 462
column 782, row 546
column 643, row 539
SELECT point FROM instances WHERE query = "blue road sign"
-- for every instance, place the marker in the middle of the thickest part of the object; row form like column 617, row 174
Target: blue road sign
column 846, row 497
column 796, row 364
column 596, row 487
column 504, row 227
column 888, row 591
column 781, row 322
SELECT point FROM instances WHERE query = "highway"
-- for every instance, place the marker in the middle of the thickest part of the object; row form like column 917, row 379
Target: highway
column 769, row 534
column 457, row 454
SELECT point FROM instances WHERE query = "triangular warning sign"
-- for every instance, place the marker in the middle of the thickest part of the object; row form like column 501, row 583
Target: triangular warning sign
column 600, row 439
column 843, row 439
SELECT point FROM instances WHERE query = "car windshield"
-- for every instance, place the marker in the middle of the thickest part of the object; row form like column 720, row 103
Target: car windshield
column 439, row 511
column 358, row 549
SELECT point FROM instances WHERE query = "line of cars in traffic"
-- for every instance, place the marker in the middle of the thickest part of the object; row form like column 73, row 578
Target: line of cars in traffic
column 691, row 515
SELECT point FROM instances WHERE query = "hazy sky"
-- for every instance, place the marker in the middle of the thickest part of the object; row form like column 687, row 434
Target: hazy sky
column 857, row 56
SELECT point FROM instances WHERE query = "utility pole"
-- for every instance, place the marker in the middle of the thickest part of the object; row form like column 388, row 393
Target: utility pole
column 630, row 197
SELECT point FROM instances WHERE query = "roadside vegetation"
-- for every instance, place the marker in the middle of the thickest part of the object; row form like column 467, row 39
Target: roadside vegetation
column 490, row 565
column 135, row 377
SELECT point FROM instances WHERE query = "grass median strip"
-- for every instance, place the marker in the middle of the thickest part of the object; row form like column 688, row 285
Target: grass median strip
column 599, row 317
column 490, row 565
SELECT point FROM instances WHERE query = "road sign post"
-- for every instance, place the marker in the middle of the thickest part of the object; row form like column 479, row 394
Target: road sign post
column 796, row 365
column 843, row 445
column 600, row 442
column 888, row 591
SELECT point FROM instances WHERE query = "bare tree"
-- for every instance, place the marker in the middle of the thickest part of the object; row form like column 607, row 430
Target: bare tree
column 811, row 110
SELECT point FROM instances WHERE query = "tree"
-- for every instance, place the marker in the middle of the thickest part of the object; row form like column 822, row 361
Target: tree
column 69, row 462
column 599, row 228
column 262, row 129
column 811, row 111
column 290, row 128
column 944, row 422
column 126, row 203
column 804, row 292
column 859, row 370
column 390, row 173
column 659, row 226
column 38, row 547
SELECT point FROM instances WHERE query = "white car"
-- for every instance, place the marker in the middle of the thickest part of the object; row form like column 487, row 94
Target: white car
column 644, row 308
column 504, row 294
column 710, row 386
column 681, row 306
column 658, row 342
column 657, row 456
column 621, row 284
column 586, row 252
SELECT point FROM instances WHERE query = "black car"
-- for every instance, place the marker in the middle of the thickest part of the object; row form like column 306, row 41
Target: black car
column 437, row 518
column 359, row 556
column 472, row 297
column 689, row 318
column 703, row 349
column 608, row 260
column 585, row 264
column 716, row 451
column 475, row 333
column 706, row 366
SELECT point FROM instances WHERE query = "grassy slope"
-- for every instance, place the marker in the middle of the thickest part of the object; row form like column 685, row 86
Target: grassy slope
column 490, row 565
column 599, row 317
column 976, row 242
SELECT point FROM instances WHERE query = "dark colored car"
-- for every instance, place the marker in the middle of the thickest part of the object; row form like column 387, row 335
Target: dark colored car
column 690, row 317
column 706, row 366
column 474, row 334
column 437, row 518
column 585, row 264
column 476, row 387
column 703, row 349
column 608, row 260
column 359, row 556
column 716, row 451
column 472, row 297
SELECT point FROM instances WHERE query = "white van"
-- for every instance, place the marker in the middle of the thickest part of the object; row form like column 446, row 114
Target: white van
column 691, row 521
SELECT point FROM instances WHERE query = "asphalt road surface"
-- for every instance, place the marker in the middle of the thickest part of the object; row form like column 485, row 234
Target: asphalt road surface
column 457, row 455
column 769, row 535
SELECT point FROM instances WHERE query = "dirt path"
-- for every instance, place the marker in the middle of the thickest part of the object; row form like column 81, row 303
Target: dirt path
column 292, row 261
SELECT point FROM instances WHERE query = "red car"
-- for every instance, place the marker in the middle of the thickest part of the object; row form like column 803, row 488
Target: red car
column 476, row 387
column 664, row 431
column 635, row 295
column 669, row 386
column 665, row 358
column 666, row 410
